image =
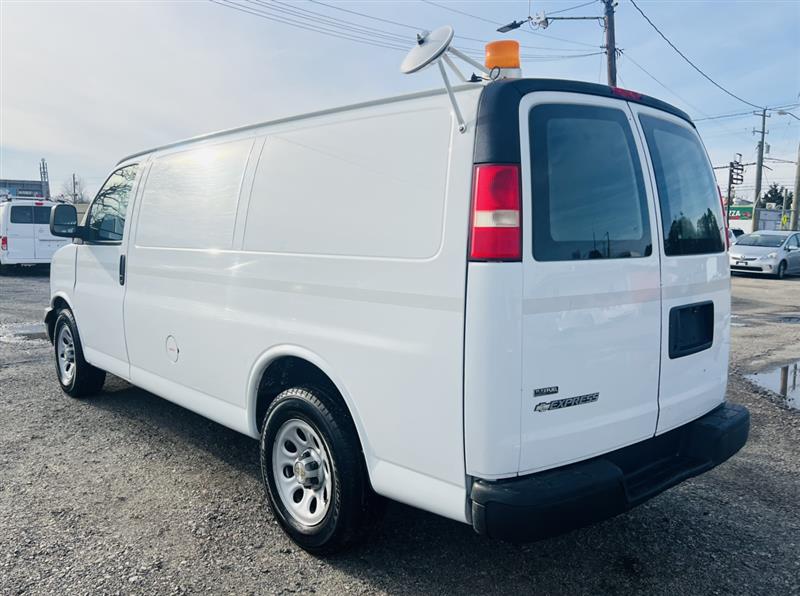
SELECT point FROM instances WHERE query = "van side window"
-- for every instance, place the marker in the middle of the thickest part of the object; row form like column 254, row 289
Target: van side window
column 106, row 220
column 690, row 207
column 589, row 199
column 191, row 197
column 41, row 215
column 21, row 214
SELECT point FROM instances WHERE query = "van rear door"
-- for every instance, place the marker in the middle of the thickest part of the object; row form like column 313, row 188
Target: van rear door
column 20, row 233
column 694, row 270
column 591, row 310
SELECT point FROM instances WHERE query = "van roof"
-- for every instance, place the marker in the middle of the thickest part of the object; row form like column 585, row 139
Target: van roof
column 499, row 100
column 345, row 108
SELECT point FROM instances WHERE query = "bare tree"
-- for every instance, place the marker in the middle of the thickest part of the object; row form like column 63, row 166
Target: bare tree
column 78, row 193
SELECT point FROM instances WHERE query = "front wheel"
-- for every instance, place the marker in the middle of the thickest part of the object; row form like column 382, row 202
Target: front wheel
column 77, row 377
column 781, row 273
column 314, row 472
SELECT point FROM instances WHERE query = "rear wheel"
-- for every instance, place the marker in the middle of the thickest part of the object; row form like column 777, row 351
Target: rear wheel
column 781, row 273
column 77, row 377
column 314, row 472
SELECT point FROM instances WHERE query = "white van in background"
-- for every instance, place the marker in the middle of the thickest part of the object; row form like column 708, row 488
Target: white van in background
column 523, row 326
column 25, row 237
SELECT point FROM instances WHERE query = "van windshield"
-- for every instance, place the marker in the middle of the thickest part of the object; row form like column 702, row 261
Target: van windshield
column 691, row 213
column 769, row 240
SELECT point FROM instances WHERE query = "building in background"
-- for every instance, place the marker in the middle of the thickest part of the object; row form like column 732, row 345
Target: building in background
column 25, row 188
column 28, row 188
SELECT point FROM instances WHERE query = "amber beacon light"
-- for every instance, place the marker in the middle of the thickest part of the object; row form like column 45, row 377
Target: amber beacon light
column 503, row 54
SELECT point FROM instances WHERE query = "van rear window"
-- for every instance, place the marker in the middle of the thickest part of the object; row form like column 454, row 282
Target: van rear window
column 22, row 214
column 691, row 214
column 589, row 199
column 41, row 215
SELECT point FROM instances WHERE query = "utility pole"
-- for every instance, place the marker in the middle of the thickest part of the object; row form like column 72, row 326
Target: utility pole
column 759, row 166
column 74, row 190
column 796, row 200
column 611, row 45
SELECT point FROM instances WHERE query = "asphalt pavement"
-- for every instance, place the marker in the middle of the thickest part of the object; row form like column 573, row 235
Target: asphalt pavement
column 128, row 493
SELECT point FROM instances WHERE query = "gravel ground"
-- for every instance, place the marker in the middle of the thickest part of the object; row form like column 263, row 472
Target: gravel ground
column 127, row 493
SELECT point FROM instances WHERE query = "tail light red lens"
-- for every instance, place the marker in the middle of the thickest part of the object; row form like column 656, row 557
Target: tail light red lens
column 626, row 93
column 496, row 230
column 3, row 243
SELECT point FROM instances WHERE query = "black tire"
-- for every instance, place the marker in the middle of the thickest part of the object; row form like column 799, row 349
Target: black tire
column 781, row 270
column 353, row 508
column 86, row 379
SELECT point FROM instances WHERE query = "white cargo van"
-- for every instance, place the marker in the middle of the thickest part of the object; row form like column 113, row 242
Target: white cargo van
column 523, row 326
column 25, row 237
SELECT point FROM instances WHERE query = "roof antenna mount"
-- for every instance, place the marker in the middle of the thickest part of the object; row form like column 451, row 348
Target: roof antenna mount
column 436, row 47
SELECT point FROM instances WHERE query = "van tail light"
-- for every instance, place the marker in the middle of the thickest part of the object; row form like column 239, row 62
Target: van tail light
column 3, row 242
column 496, row 230
column 724, row 219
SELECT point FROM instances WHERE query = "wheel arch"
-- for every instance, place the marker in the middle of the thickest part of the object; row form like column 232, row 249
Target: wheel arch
column 58, row 301
column 263, row 386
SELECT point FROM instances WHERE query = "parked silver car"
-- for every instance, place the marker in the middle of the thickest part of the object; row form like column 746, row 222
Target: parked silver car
column 770, row 252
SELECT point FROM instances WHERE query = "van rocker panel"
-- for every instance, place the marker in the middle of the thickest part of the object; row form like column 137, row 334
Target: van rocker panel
column 555, row 501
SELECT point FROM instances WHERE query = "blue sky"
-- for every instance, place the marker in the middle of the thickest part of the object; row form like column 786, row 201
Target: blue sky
column 85, row 83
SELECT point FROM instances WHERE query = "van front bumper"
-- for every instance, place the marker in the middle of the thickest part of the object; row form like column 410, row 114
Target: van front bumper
column 555, row 501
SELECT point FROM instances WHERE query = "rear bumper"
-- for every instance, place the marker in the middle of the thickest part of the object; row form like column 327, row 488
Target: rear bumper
column 555, row 501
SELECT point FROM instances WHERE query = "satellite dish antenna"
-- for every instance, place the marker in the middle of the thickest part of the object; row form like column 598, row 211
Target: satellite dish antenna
column 435, row 47
column 430, row 47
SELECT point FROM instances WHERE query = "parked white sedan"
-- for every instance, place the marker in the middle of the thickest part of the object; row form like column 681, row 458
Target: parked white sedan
column 768, row 252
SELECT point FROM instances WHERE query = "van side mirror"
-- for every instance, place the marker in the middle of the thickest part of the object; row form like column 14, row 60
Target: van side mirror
column 64, row 221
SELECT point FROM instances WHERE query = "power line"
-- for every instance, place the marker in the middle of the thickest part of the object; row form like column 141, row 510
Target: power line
column 720, row 116
column 649, row 74
column 349, row 31
column 692, row 64
column 496, row 23
column 320, row 19
column 307, row 26
column 408, row 26
column 570, row 8
column 415, row 28
column 366, row 16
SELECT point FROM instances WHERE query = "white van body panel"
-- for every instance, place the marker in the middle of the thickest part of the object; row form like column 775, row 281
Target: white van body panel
column 589, row 326
column 28, row 243
column 366, row 283
column 691, row 385
column 493, row 369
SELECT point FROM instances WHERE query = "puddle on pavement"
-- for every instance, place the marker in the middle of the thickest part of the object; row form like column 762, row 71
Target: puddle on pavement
column 784, row 381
